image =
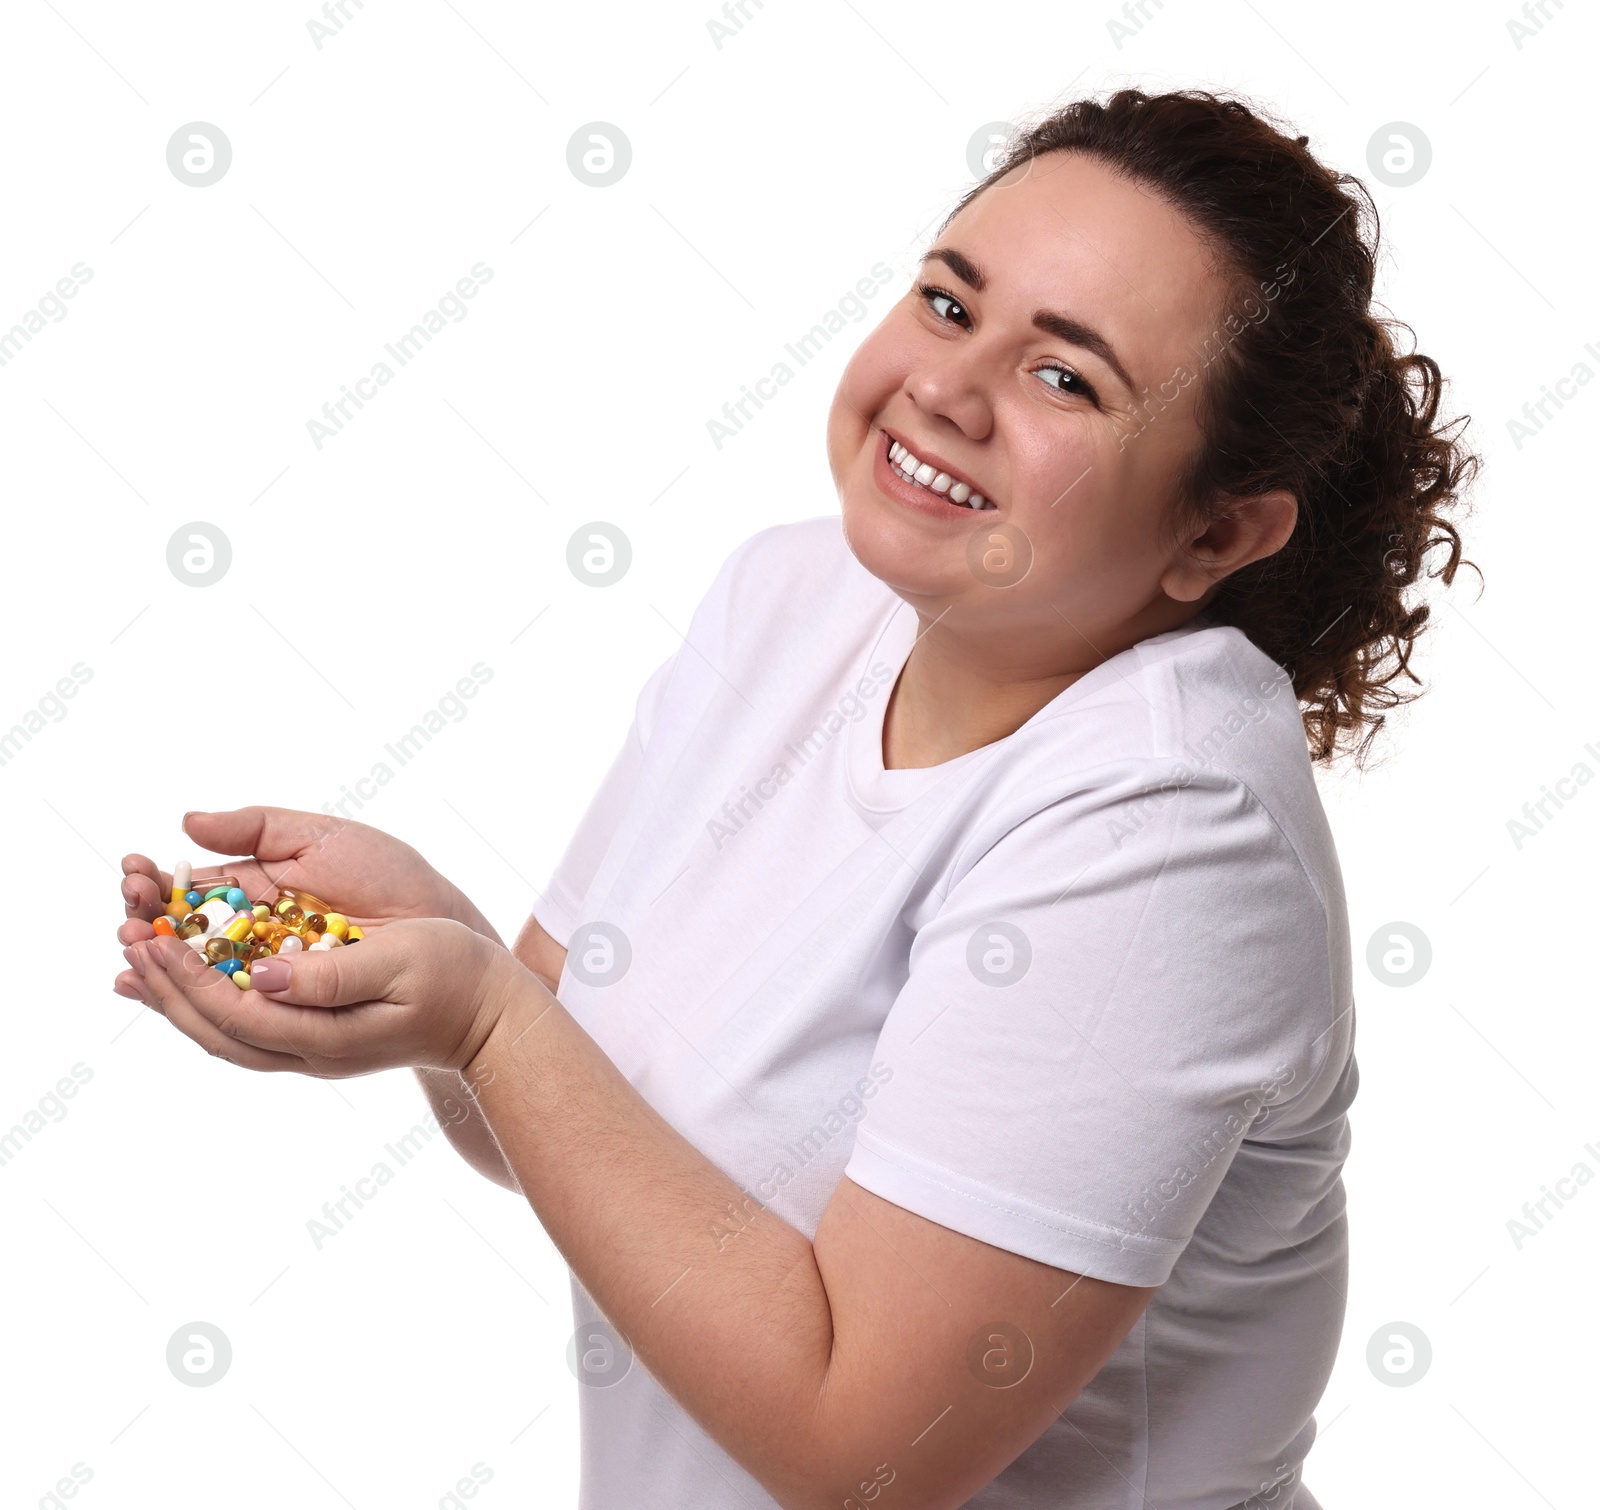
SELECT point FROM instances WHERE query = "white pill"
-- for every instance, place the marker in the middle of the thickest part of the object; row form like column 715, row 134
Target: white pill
column 218, row 912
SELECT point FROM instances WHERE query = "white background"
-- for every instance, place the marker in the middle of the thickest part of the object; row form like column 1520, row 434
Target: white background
column 768, row 175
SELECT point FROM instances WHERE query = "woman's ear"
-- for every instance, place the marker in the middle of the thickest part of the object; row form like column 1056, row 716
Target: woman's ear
column 1250, row 528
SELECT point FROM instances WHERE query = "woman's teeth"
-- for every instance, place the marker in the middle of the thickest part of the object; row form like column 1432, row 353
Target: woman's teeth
column 921, row 473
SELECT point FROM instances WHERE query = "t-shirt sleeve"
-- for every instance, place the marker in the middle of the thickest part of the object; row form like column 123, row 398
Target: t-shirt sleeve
column 559, row 909
column 1108, row 1000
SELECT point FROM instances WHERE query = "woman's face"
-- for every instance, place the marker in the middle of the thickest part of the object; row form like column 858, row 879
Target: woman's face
column 1048, row 307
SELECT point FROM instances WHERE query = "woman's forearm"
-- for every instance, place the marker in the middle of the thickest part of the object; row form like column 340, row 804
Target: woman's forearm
column 722, row 1301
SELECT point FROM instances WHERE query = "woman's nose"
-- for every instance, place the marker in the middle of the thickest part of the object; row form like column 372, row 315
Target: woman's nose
column 956, row 388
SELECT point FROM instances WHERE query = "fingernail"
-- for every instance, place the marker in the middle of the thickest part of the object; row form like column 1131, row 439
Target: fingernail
column 132, row 956
column 270, row 975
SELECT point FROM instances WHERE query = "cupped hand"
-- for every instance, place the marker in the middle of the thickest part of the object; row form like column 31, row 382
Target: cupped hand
column 368, row 875
column 420, row 993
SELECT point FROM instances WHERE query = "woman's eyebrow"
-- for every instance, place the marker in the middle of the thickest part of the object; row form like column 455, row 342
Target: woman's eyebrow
column 959, row 263
column 1086, row 336
column 1064, row 327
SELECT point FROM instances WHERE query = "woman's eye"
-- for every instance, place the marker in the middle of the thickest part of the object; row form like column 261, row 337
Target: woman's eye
column 946, row 306
column 1070, row 381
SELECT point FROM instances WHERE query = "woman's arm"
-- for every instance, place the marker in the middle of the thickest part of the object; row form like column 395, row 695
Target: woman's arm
column 890, row 1359
column 453, row 1100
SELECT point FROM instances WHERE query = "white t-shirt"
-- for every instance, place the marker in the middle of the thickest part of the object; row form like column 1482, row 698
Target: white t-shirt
column 1083, row 994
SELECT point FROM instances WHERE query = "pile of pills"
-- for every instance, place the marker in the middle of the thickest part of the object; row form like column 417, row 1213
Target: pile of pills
column 220, row 923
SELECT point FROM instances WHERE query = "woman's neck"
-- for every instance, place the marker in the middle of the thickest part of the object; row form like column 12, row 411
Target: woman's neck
column 949, row 700
column 936, row 714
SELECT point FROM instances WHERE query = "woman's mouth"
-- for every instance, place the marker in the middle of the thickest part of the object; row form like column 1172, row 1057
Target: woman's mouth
column 909, row 467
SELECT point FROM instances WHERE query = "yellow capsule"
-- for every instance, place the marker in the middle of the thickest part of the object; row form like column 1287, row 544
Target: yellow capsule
column 241, row 978
column 239, row 929
column 338, row 925
column 354, row 934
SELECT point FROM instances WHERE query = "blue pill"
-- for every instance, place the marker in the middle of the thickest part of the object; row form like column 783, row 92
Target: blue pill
column 230, row 966
column 193, row 898
column 237, row 899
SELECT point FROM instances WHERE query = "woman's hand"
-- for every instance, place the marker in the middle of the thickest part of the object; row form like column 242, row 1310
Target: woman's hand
column 367, row 873
column 419, row 993
column 369, row 876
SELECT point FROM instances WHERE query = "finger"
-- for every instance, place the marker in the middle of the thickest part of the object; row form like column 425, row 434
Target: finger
column 135, row 931
column 302, row 996
column 269, row 833
column 308, row 1033
column 144, row 895
column 143, row 865
column 127, row 984
column 182, row 991
column 341, row 977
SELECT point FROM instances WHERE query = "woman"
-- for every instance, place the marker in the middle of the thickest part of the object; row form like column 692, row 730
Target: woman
column 932, row 1053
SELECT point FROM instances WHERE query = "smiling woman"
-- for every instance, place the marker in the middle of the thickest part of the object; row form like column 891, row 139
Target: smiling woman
column 970, row 1132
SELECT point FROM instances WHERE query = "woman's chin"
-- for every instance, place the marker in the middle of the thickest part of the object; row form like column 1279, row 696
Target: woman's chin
column 898, row 549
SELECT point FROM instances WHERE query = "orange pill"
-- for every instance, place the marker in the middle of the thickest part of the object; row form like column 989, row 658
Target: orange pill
column 165, row 927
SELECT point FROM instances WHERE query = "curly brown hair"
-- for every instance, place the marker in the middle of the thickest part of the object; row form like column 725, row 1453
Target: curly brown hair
column 1305, row 389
